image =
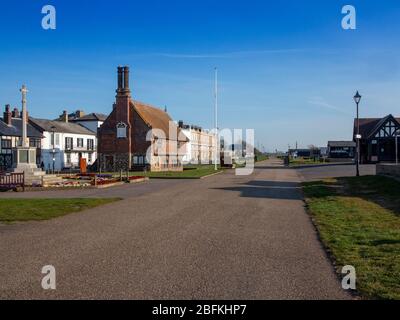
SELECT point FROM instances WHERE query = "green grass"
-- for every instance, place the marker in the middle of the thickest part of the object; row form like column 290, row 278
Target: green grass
column 13, row 210
column 304, row 161
column 189, row 172
column 262, row 157
column 358, row 221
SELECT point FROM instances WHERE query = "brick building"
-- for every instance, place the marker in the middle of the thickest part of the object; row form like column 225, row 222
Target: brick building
column 136, row 135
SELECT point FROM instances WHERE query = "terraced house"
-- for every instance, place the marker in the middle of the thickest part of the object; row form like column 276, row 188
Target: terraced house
column 136, row 135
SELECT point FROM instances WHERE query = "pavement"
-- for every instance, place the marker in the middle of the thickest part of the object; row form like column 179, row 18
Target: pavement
column 224, row 237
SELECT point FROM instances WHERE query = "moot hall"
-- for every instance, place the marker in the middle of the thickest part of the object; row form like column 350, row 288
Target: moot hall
column 134, row 128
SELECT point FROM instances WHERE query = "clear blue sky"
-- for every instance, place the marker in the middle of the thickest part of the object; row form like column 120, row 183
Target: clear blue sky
column 287, row 68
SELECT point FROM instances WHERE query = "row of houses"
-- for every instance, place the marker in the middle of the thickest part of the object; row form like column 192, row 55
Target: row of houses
column 133, row 136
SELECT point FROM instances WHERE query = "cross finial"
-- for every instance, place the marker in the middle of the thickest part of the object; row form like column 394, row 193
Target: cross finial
column 24, row 89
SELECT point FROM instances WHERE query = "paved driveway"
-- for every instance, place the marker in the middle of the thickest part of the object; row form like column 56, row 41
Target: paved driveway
column 224, row 237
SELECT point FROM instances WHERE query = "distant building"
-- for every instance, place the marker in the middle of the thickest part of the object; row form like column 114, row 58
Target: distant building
column 378, row 138
column 201, row 145
column 65, row 142
column 137, row 136
column 341, row 150
column 11, row 137
column 92, row 121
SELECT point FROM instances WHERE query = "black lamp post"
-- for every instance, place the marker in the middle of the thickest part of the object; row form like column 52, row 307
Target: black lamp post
column 357, row 99
column 53, row 129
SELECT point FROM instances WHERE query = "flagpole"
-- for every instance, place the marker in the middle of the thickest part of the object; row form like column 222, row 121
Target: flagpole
column 216, row 120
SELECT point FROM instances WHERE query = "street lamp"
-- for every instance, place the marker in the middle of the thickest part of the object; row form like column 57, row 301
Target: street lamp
column 357, row 99
column 397, row 146
column 53, row 129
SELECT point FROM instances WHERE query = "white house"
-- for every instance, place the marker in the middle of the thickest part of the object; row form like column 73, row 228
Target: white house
column 92, row 121
column 200, row 149
column 65, row 143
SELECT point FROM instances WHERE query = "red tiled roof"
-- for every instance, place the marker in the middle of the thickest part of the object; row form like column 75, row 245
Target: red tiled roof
column 156, row 118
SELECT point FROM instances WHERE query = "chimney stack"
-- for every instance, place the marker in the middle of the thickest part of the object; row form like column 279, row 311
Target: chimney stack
column 123, row 81
column 64, row 117
column 119, row 89
column 7, row 115
column 15, row 113
column 79, row 114
column 126, row 79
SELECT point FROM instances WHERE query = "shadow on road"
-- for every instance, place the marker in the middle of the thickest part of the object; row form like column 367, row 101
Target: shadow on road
column 282, row 190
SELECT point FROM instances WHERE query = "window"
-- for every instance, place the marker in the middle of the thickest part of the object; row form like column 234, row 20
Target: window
column 69, row 142
column 6, row 143
column 57, row 139
column 68, row 158
column 79, row 143
column 121, row 130
column 90, row 144
column 90, row 158
column 34, row 143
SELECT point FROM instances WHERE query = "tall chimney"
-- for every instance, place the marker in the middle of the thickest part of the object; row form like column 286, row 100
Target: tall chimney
column 126, row 79
column 15, row 113
column 64, row 117
column 7, row 115
column 119, row 89
column 123, row 115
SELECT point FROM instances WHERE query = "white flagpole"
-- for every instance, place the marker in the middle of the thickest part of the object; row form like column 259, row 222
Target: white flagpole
column 216, row 120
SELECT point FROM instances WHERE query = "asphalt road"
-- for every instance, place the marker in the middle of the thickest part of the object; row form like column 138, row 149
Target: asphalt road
column 224, row 237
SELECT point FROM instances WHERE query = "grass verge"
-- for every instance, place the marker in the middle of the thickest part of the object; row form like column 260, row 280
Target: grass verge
column 359, row 223
column 13, row 210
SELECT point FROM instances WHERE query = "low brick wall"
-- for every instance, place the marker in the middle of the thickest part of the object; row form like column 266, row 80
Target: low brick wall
column 388, row 170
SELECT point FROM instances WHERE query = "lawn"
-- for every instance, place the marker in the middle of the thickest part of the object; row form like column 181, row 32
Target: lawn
column 358, row 220
column 189, row 172
column 262, row 157
column 305, row 161
column 12, row 210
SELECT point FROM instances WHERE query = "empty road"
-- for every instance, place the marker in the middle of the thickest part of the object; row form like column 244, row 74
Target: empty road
column 224, row 237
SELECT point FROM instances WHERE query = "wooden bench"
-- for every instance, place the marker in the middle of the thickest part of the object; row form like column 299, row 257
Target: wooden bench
column 12, row 180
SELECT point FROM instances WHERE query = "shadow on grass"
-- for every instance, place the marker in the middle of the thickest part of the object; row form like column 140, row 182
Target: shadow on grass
column 381, row 190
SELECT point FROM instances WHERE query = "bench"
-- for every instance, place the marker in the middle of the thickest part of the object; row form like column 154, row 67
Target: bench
column 12, row 180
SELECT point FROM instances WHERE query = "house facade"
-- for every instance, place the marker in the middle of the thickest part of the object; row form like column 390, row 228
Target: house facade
column 201, row 145
column 64, row 144
column 378, row 138
column 136, row 135
column 11, row 138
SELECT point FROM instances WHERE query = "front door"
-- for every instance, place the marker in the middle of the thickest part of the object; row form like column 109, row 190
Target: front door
column 387, row 150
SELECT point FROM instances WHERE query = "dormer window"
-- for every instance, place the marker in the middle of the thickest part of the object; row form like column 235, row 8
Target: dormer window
column 121, row 130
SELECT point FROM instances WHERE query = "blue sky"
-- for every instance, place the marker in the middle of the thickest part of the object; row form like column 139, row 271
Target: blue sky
column 286, row 68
